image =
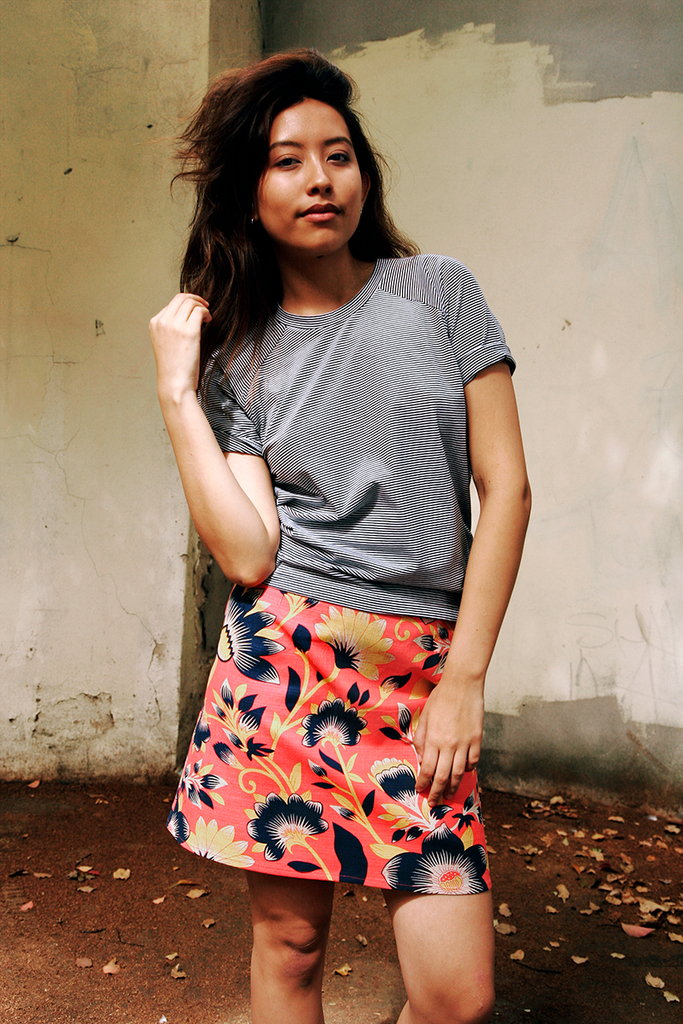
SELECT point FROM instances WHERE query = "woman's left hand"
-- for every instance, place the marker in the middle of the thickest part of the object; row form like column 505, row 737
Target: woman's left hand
column 448, row 737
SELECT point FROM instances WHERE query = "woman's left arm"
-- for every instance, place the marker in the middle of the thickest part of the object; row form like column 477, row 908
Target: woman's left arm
column 448, row 737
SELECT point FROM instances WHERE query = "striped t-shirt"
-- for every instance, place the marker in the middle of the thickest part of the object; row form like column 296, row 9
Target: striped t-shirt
column 360, row 416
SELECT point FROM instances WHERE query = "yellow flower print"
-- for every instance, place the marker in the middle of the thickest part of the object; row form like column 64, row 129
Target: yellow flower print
column 218, row 844
column 357, row 642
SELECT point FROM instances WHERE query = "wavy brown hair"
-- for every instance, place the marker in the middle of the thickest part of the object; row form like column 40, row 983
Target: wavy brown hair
column 230, row 261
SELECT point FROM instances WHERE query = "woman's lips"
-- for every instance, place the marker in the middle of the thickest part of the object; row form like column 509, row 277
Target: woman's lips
column 320, row 213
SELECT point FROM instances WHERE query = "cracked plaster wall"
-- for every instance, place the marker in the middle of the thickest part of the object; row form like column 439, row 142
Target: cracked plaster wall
column 94, row 525
column 570, row 214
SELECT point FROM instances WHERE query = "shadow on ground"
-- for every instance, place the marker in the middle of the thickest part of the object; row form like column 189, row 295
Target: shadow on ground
column 568, row 875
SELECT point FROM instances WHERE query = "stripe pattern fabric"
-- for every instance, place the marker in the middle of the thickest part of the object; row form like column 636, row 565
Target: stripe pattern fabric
column 360, row 415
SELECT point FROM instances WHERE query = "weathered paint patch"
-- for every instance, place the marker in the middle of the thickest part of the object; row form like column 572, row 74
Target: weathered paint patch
column 599, row 50
column 584, row 747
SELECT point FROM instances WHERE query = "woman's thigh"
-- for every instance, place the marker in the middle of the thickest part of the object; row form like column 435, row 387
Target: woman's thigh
column 446, row 951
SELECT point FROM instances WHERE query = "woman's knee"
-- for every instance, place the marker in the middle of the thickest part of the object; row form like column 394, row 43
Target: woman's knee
column 467, row 1004
column 294, row 949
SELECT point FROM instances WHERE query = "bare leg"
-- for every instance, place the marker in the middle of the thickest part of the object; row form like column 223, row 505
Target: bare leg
column 291, row 919
column 446, row 951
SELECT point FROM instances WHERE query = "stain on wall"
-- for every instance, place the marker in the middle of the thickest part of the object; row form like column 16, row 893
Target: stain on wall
column 597, row 49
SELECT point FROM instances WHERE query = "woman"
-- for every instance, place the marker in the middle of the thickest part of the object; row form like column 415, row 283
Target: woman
column 328, row 393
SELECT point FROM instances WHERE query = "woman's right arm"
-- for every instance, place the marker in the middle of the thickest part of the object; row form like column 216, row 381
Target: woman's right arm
column 230, row 497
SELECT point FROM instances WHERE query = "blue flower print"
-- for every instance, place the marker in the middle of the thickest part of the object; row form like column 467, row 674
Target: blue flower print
column 202, row 731
column 281, row 824
column 196, row 780
column 246, row 636
column 333, row 721
column 444, row 866
column 471, row 811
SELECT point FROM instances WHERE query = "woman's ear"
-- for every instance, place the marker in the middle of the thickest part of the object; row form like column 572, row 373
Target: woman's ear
column 365, row 180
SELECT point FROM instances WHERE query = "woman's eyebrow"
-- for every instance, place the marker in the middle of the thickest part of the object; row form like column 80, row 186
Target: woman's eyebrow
column 299, row 145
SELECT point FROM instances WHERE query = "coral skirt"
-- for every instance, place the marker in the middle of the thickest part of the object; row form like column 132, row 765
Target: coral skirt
column 302, row 762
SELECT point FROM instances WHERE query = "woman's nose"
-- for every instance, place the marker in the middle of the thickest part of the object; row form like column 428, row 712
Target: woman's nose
column 319, row 181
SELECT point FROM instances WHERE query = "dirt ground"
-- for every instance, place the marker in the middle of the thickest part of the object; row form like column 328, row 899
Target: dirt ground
column 567, row 877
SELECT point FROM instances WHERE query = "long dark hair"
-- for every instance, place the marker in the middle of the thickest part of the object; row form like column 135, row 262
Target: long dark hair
column 223, row 151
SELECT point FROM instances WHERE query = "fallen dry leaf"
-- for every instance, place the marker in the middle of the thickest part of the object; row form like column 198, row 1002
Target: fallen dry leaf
column 504, row 910
column 618, row 956
column 672, row 828
column 86, row 888
column 580, row 959
column 517, row 955
column 194, row 894
column 654, row 982
column 83, row 961
column 649, row 906
column 177, row 972
column 42, row 874
column 112, row 967
column 122, row 873
column 171, row 956
column 26, row 906
column 344, row 970
column 34, row 784
column 592, row 908
column 556, row 800
column 504, row 929
column 551, row 910
column 208, row 922
column 563, row 892
column 84, row 868
column 636, row 931
column 675, row 937
column 670, row 997
column 159, row 899
column 555, row 945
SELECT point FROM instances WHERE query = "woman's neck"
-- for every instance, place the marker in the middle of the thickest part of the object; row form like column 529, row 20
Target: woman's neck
column 321, row 284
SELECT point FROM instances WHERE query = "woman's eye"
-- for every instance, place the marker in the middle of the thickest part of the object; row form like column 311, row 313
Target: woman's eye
column 340, row 158
column 286, row 161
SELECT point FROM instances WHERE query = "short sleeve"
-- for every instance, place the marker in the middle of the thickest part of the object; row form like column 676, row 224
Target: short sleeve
column 477, row 337
column 233, row 429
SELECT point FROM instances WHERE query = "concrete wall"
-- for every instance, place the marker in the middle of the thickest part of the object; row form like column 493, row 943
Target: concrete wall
column 540, row 143
column 94, row 526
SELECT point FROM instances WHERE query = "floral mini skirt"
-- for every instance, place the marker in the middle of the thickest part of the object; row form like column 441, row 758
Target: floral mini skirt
column 302, row 761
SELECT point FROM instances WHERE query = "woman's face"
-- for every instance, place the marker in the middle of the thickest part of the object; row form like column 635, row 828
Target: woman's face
column 310, row 195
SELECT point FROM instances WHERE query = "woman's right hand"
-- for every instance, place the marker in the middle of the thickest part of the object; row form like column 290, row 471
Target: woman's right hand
column 176, row 333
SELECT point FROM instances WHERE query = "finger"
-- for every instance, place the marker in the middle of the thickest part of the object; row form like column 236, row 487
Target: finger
column 427, row 769
column 457, row 771
column 441, row 779
column 200, row 314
